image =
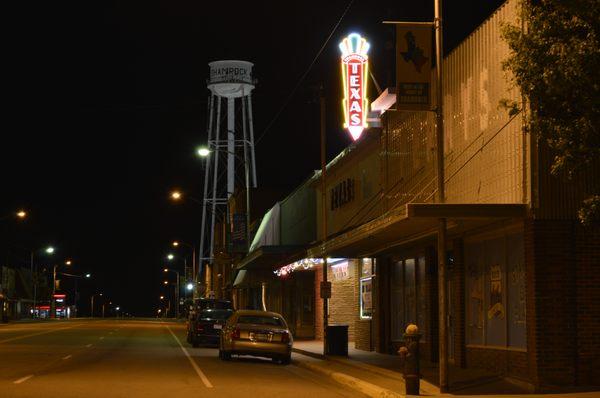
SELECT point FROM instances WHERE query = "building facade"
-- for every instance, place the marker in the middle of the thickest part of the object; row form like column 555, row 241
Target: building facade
column 522, row 274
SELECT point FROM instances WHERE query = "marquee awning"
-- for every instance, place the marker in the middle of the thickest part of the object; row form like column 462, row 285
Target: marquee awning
column 271, row 257
column 412, row 222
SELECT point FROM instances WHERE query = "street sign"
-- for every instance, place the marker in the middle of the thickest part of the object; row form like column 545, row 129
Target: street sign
column 325, row 290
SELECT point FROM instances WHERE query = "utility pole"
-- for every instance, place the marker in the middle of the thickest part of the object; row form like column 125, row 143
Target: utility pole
column 324, row 217
column 441, row 241
column 34, row 283
column 52, row 300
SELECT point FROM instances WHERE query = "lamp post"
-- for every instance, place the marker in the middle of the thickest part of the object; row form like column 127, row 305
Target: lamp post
column 92, row 303
column 193, row 249
column 176, row 290
column 48, row 250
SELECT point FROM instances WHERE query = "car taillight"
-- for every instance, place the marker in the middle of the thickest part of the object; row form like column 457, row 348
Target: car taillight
column 285, row 337
column 200, row 328
column 235, row 334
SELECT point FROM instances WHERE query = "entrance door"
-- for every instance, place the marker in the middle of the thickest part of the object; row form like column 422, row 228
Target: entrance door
column 451, row 317
column 305, row 304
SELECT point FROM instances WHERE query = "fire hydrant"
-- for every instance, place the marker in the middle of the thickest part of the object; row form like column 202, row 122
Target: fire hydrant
column 410, row 355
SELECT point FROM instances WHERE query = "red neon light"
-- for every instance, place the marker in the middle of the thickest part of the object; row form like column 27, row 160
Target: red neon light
column 354, row 73
column 59, row 296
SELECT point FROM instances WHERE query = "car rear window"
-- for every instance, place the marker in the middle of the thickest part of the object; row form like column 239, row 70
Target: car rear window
column 221, row 315
column 215, row 305
column 260, row 320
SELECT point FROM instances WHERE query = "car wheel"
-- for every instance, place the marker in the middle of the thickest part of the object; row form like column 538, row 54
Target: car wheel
column 195, row 342
column 189, row 337
column 286, row 360
column 224, row 355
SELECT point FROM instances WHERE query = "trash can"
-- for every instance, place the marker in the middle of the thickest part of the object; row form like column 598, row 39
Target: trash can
column 337, row 340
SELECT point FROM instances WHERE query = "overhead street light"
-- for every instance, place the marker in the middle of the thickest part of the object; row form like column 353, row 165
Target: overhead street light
column 49, row 250
column 203, row 151
column 21, row 214
column 170, row 256
column 175, row 195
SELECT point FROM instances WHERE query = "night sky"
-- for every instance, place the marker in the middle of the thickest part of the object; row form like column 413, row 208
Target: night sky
column 105, row 103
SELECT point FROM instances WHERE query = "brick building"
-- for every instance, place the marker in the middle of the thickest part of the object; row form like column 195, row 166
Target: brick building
column 523, row 284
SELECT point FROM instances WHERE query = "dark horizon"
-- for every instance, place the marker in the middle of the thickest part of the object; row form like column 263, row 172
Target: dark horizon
column 108, row 102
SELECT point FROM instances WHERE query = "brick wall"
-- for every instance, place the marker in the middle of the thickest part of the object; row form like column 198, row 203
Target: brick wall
column 343, row 305
column 318, row 304
column 551, row 301
column 588, row 305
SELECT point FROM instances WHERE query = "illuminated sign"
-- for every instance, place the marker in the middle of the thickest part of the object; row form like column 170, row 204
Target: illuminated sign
column 355, row 73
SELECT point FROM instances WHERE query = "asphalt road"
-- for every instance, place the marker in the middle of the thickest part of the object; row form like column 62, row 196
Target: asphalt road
column 137, row 358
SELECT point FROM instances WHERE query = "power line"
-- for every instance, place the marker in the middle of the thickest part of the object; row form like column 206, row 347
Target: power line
column 291, row 95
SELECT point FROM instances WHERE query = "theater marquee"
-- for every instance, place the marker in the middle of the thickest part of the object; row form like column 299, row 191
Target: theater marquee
column 355, row 73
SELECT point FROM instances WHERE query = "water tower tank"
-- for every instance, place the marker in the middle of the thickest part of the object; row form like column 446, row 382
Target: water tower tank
column 231, row 78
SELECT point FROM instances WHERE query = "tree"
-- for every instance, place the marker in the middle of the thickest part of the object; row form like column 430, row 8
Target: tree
column 555, row 62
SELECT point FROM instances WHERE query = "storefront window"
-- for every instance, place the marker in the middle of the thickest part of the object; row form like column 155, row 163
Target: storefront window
column 495, row 289
column 366, row 288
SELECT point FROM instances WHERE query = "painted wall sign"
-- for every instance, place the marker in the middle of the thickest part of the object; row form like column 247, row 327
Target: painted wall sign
column 355, row 73
column 342, row 193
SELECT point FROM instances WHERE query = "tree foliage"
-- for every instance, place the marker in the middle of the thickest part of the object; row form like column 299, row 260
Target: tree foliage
column 555, row 62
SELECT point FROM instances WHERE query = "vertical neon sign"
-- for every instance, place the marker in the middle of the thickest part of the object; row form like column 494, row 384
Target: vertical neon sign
column 355, row 72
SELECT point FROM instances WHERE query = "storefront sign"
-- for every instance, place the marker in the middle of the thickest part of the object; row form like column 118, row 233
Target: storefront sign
column 355, row 74
column 340, row 271
column 413, row 67
column 342, row 193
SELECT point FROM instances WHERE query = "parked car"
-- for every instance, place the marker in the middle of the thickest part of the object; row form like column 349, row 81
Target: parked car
column 257, row 333
column 206, row 320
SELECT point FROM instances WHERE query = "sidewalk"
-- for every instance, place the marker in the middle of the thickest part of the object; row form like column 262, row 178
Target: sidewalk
column 379, row 375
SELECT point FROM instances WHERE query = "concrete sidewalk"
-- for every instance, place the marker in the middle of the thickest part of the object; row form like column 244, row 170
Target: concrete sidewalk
column 379, row 375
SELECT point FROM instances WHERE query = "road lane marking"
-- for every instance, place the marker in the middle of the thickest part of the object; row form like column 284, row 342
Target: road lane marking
column 22, row 379
column 67, row 357
column 88, row 346
column 194, row 365
column 101, row 337
column 36, row 334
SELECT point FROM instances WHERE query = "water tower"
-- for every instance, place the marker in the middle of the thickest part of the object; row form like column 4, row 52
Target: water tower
column 230, row 83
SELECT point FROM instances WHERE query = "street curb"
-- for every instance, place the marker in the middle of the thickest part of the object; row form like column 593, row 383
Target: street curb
column 370, row 390
column 426, row 387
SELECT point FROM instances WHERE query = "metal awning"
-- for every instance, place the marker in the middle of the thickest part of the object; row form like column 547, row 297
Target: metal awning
column 271, row 257
column 412, row 222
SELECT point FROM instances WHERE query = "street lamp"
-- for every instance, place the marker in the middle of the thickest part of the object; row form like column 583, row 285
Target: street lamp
column 170, row 256
column 49, row 250
column 203, row 151
column 175, row 195
column 176, row 290
column 193, row 249
column 21, row 214
column 92, row 304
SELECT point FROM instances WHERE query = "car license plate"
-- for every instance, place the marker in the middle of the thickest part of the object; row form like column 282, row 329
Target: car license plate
column 217, row 326
column 262, row 337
